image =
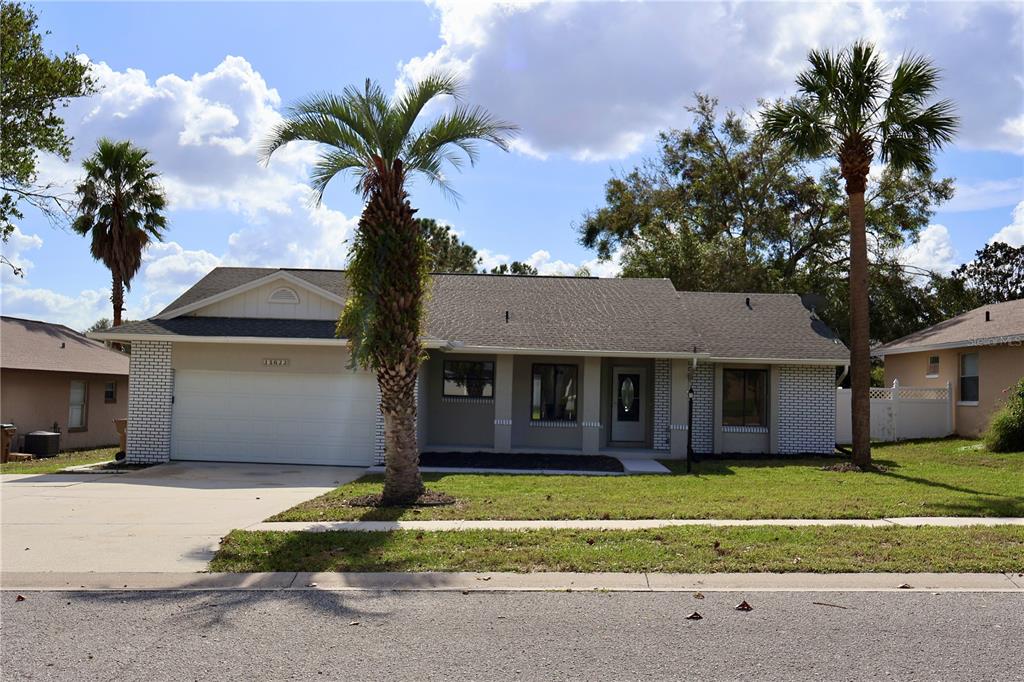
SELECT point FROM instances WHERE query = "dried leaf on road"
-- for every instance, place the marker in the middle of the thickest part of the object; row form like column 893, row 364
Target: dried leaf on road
column 744, row 606
column 694, row 616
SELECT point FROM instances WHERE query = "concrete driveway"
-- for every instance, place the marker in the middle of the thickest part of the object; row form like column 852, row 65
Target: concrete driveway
column 165, row 518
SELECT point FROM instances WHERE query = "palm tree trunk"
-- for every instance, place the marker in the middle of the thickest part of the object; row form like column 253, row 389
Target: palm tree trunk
column 117, row 297
column 388, row 279
column 860, row 354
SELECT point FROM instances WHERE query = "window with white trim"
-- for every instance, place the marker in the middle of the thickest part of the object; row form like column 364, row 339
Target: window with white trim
column 969, row 378
column 77, row 404
column 933, row 367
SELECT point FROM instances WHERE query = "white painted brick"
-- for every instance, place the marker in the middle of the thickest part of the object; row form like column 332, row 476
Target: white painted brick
column 150, row 391
column 807, row 409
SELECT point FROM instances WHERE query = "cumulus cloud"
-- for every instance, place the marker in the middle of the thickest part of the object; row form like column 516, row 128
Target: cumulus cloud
column 14, row 251
column 595, row 80
column 76, row 311
column 933, row 250
column 1012, row 234
column 204, row 133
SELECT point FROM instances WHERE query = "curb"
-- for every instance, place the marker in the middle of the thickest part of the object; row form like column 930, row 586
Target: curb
column 519, row 582
column 618, row 524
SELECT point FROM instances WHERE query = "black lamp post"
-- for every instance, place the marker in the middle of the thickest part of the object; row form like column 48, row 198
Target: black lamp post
column 689, row 430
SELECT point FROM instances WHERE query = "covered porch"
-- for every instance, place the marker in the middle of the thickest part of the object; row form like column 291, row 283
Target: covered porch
column 627, row 406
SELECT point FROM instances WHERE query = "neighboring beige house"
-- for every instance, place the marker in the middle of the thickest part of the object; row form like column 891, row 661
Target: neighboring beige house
column 245, row 366
column 980, row 354
column 52, row 375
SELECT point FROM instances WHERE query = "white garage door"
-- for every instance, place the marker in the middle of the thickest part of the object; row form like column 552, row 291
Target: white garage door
column 274, row 417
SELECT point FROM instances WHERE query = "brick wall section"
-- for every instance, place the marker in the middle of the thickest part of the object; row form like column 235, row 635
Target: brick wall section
column 703, row 381
column 807, row 409
column 662, row 403
column 378, row 434
column 150, row 391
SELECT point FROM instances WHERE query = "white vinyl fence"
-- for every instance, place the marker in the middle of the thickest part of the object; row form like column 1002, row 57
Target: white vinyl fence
column 900, row 412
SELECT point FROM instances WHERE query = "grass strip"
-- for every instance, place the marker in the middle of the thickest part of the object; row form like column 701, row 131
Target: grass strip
column 690, row 549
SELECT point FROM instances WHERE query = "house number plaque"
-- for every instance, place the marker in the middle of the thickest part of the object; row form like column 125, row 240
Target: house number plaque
column 275, row 362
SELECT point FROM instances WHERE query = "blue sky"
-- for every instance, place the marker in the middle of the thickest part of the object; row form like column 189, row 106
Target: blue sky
column 590, row 84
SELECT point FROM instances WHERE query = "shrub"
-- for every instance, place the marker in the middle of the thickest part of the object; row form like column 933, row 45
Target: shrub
column 1006, row 430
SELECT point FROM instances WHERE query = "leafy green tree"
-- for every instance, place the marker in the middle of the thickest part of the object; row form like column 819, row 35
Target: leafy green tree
column 34, row 86
column 445, row 251
column 850, row 107
column 374, row 137
column 100, row 325
column 995, row 275
column 120, row 205
column 514, row 268
column 723, row 208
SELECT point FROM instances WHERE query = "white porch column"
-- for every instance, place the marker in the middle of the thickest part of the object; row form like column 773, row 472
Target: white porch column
column 679, row 426
column 503, row 403
column 591, row 413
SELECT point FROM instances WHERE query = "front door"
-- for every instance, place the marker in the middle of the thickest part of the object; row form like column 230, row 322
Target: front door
column 629, row 422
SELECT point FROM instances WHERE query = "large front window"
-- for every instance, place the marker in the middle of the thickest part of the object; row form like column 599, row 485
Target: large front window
column 554, row 393
column 969, row 378
column 468, row 378
column 744, row 397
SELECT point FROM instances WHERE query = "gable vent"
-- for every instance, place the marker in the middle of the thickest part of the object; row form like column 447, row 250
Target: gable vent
column 284, row 295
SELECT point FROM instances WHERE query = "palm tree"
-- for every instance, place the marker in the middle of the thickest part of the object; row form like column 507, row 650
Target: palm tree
column 851, row 107
column 119, row 205
column 375, row 138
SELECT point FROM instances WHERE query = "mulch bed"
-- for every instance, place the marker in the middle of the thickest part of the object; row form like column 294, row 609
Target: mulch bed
column 430, row 498
column 531, row 462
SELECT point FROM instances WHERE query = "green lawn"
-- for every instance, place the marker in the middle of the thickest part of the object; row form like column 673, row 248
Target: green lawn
column 928, row 478
column 687, row 549
column 64, row 460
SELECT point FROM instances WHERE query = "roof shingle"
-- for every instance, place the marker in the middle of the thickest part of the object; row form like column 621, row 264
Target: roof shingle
column 1005, row 323
column 31, row 344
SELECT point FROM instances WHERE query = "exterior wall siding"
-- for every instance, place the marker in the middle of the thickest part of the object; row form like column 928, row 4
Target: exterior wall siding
column 150, row 392
column 807, row 409
column 662, row 404
column 378, row 432
column 703, row 408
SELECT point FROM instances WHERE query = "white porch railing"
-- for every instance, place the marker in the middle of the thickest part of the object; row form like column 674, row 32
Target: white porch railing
column 900, row 412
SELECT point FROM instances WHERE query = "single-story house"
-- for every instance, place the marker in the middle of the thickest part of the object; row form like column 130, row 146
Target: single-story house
column 245, row 366
column 980, row 354
column 52, row 377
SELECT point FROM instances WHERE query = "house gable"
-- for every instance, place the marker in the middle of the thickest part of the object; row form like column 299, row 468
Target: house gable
column 280, row 295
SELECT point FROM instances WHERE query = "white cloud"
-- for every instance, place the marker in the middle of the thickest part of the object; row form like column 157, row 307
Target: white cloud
column 1012, row 234
column 933, row 250
column 77, row 312
column 985, row 194
column 594, row 81
column 14, row 249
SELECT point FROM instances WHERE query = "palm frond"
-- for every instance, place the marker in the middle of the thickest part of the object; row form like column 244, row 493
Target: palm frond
column 800, row 124
column 407, row 109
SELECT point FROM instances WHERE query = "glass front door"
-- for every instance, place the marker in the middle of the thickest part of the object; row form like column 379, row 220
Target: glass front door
column 628, row 404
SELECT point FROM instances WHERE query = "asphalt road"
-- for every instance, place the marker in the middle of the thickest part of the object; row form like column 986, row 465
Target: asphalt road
column 510, row 636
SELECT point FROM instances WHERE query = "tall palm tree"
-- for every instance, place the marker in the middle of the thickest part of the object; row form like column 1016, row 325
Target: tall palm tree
column 375, row 137
column 119, row 206
column 851, row 106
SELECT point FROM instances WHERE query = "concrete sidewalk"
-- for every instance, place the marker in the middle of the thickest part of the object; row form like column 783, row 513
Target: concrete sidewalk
column 518, row 582
column 622, row 524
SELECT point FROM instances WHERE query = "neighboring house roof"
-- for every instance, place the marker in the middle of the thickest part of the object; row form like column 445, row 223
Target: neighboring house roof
column 571, row 314
column 30, row 344
column 1004, row 324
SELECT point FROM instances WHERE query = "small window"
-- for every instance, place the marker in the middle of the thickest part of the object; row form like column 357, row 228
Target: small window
column 554, row 393
column 77, row 405
column 933, row 366
column 110, row 392
column 969, row 378
column 468, row 379
column 744, row 397
column 284, row 295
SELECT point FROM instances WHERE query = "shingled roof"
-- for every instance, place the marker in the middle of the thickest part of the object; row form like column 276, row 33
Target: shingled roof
column 31, row 344
column 994, row 323
column 572, row 314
